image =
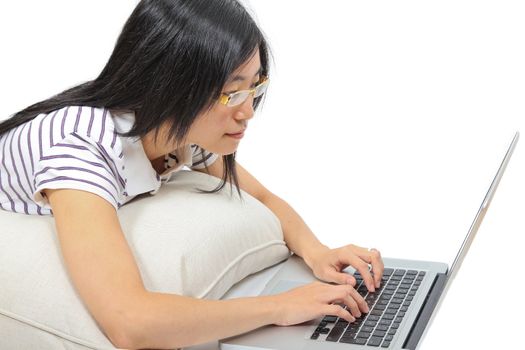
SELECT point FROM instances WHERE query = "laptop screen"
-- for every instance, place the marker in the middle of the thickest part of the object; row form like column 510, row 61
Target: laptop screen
column 482, row 210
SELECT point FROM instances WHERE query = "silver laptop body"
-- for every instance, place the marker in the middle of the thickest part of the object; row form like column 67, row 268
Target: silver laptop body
column 424, row 282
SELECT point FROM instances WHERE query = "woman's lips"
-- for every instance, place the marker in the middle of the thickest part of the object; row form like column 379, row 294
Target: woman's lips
column 236, row 136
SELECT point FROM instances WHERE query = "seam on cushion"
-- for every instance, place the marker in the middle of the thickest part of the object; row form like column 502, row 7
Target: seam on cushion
column 52, row 331
column 236, row 260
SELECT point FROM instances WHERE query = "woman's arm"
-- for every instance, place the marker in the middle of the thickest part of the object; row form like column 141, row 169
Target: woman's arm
column 326, row 264
column 104, row 272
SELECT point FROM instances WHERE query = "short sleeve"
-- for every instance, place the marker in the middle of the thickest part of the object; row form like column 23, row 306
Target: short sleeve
column 78, row 162
column 202, row 158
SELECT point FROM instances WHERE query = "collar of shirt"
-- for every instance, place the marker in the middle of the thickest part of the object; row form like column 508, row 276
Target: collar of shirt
column 138, row 172
column 137, row 168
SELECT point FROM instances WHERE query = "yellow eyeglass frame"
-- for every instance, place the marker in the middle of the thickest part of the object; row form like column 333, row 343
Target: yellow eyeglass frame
column 226, row 98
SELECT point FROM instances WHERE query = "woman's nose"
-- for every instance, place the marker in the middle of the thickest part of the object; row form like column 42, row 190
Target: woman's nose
column 245, row 110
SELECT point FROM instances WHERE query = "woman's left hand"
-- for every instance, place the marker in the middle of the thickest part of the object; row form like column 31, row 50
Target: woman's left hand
column 327, row 264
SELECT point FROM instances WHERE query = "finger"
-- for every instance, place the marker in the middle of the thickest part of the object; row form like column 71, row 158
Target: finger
column 341, row 278
column 372, row 257
column 377, row 265
column 352, row 306
column 360, row 265
column 349, row 296
column 364, row 270
column 337, row 310
column 361, row 303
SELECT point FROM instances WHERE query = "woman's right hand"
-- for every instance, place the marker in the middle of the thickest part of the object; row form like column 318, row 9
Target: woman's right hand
column 317, row 299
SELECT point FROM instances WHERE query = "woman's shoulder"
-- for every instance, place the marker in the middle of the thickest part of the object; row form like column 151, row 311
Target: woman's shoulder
column 92, row 124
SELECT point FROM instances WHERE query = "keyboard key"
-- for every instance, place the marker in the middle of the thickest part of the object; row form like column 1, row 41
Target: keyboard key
column 364, row 335
column 370, row 323
column 324, row 330
column 315, row 336
column 411, row 272
column 358, row 341
column 341, row 323
column 385, row 344
column 367, row 329
column 383, row 328
column 379, row 334
column 380, row 307
column 387, row 271
column 376, row 312
column 335, row 334
column 330, row 319
column 389, row 337
column 374, row 341
column 399, row 272
column 352, row 334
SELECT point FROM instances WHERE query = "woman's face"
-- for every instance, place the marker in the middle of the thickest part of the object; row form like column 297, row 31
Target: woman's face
column 212, row 130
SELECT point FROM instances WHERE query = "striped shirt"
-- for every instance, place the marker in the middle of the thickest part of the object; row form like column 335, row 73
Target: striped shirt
column 77, row 147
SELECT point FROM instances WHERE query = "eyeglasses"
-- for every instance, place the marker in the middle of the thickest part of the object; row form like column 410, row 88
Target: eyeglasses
column 238, row 97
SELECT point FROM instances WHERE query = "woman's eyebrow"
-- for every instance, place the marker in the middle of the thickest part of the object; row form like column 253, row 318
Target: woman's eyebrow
column 242, row 78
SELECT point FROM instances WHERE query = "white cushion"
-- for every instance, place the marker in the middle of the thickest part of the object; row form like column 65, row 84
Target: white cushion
column 184, row 243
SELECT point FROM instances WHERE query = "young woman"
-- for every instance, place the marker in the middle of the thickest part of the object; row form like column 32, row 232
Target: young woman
column 184, row 78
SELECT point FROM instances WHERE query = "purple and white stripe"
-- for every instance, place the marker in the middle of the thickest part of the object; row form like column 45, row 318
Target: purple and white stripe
column 73, row 147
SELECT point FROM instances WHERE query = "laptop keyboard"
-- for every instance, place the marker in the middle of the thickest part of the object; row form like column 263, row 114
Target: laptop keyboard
column 388, row 305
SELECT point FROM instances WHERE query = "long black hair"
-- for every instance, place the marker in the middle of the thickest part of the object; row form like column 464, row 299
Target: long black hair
column 170, row 63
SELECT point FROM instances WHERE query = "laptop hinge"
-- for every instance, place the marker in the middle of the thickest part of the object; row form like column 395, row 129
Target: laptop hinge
column 421, row 321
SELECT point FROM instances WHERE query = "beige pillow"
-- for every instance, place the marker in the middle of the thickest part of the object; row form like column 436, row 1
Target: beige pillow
column 184, row 243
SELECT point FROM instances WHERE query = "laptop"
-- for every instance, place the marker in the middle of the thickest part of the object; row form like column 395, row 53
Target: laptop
column 401, row 310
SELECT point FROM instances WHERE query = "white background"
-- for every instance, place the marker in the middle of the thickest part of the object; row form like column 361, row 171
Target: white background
column 383, row 126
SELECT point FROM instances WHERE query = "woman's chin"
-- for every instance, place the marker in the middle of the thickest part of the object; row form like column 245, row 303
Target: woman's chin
column 223, row 150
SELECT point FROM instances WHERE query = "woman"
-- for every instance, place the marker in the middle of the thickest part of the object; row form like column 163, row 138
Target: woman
column 184, row 78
